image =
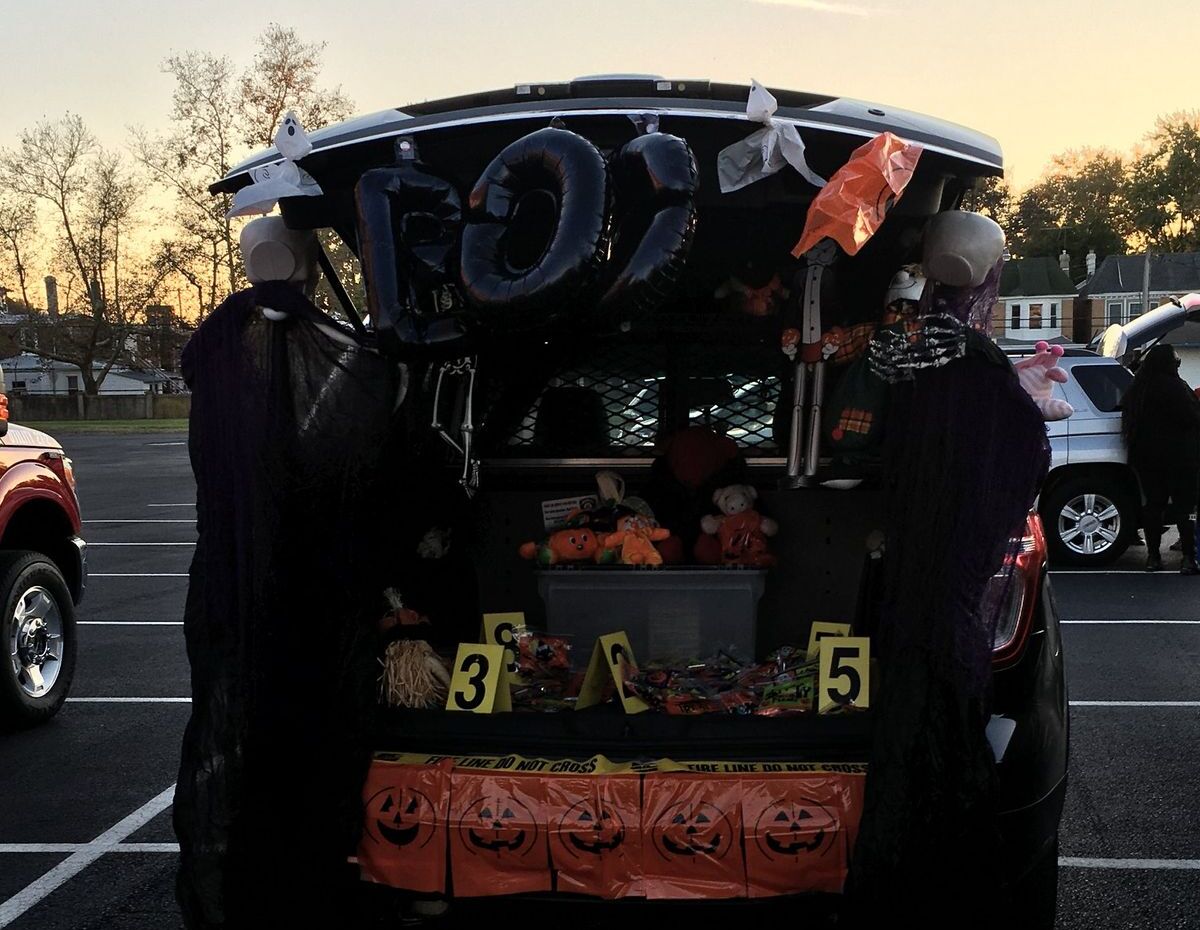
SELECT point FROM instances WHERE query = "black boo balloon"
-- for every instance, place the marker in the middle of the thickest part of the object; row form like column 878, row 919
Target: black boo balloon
column 504, row 285
column 536, row 241
column 420, row 213
column 655, row 179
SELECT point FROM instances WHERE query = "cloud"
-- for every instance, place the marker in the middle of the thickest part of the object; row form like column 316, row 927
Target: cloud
column 819, row 6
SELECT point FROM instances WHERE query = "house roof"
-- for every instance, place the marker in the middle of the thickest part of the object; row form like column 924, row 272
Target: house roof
column 1175, row 273
column 1034, row 277
column 27, row 362
column 146, row 377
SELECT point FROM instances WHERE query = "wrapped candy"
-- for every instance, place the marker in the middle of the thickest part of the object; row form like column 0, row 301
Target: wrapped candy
column 540, row 655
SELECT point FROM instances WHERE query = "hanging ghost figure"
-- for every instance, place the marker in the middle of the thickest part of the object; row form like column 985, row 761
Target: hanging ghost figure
column 291, row 140
column 285, row 179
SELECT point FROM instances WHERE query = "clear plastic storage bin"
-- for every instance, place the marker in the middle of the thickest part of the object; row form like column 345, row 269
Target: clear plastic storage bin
column 683, row 613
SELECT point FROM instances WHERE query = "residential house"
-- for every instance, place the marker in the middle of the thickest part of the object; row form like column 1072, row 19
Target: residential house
column 30, row 374
column 1114, row 294
column 1036, row 297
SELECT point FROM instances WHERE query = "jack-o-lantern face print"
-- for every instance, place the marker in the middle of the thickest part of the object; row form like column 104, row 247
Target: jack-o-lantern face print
column 796, row 827
column 500, row 825
column 693, row 829
column 591, row 828
column 401, row 816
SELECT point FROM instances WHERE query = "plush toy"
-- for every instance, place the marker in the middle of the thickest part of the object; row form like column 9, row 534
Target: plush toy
column 740, row 530
column 1038, row 373
column 573, row 544
column 633, row 542
column 754, row 301
column 694, row 462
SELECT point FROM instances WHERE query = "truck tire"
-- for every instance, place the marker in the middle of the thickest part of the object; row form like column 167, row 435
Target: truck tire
column 1090, row 519
column 37, row 622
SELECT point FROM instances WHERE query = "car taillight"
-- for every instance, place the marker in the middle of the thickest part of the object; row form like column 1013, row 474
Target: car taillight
column 3, row 408
column 1017, row 589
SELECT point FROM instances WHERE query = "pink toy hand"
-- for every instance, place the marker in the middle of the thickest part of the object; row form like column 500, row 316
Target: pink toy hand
column 1038, row 373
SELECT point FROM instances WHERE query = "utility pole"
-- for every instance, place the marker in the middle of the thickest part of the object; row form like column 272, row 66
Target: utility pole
column 1146, row 282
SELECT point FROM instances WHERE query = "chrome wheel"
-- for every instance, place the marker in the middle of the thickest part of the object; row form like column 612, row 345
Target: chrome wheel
column 36, row 641
column 1089, row 524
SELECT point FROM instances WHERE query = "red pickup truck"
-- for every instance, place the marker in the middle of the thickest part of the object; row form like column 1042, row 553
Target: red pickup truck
column 43, row 572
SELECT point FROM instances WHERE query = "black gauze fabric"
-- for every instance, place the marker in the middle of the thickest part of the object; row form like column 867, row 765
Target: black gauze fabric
column 287, row 435
column 967, row 452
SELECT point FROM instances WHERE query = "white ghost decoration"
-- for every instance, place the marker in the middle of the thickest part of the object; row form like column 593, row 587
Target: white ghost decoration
column 765, row 151
column 284, row 179
column 291, row 139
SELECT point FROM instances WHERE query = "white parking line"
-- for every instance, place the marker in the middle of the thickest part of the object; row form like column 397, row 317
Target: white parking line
column 129, row 700
column 94, row 545
column 1110, row 571
column 79, row 860
column 1131, row 622
column 1076, row 862
column 88, row 522
column 172, row 505
column 129, row 623
column 92, row 575
column 17, row 848
column 1135, row 703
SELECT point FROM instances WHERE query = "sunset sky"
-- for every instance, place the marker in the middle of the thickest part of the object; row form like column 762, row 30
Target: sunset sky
column 1040, row 75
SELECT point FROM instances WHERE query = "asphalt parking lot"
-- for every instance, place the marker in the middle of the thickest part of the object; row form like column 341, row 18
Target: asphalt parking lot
column 85, row 832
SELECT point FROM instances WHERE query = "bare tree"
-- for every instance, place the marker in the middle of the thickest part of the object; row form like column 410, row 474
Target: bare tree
column 93, row 196
column 50, row 164
column 214, row 115
column 199, row 149
column 284, row 76
column 18, row 224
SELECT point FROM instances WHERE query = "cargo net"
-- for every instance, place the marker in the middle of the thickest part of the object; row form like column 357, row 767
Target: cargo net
column 627, row 407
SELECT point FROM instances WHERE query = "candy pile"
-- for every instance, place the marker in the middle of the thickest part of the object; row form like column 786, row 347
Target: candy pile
column 784, row 684
column 544, row 680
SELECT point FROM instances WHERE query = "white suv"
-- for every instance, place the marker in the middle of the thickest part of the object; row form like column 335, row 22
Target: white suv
column 1091, row 502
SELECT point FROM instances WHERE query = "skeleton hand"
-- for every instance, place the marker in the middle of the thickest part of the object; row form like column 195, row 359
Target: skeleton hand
column 897, row 356
column 1038, row 373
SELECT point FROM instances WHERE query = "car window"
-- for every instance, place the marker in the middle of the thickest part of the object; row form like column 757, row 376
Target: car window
column 1104, row 384
column 624, row 400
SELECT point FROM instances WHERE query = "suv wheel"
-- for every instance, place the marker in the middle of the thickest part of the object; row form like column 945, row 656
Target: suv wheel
column 37, row 628
column 1089, row 520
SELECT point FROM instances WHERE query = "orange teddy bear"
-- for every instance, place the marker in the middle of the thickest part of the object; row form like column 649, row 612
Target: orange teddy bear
column 740, row 529
column 635, row 537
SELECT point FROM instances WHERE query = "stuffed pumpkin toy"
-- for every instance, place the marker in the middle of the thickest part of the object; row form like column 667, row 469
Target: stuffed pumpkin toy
column 633, row 542
column 573, row 544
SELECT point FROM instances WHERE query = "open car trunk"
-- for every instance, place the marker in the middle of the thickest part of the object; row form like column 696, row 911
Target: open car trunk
column 500, row 445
